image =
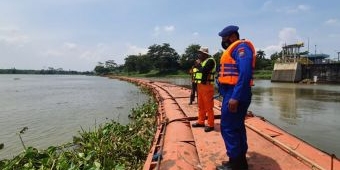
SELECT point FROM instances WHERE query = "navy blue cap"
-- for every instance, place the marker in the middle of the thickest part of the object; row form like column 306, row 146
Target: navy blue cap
column 228, row 30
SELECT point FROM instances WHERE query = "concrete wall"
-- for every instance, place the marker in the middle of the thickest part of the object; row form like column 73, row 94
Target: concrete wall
column 325, row 73
column 287, row 72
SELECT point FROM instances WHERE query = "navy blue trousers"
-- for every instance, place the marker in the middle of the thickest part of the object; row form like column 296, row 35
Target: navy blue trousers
column 232, row 126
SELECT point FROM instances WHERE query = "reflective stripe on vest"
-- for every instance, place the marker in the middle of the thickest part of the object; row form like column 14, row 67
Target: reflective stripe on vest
column 194, row 74
column 211, row 74
column 228, row 70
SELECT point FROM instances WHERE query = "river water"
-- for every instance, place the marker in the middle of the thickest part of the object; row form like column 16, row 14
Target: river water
column 55, row 107
column 309, row 111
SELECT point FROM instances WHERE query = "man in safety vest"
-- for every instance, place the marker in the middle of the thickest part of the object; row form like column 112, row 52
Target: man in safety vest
column 235, row 79
column 205, row 88
column 193, row 72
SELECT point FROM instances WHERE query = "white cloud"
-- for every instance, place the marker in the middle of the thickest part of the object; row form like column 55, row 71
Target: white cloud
column 169, row 28
column 134, row 50
column 71, row 51
column 195, row 34
column 303, row 7
column 69, row 45
column 165, row 29
column 97, row 53
column 294, row 10
column 157, row 28
column 286, row 36
column 156, row 31
column 13, row 36
column 334, row 35
column 52, row 53
column 267, row 5
column 93, row 55
column 269, row 50
column 76, row 54
column 332, row 21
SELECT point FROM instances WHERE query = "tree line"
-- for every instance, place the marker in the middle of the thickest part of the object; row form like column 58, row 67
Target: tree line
column 50, row 70
column 165, row 60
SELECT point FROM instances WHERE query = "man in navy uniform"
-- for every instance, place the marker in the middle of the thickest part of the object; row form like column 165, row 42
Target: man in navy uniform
column 235, row 79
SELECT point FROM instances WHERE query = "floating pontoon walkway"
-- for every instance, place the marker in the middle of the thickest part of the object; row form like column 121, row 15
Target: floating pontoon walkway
column 178, row 146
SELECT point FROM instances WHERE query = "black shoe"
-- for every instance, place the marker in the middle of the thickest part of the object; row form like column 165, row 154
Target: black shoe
column 226, row 163
column 243, row 163
column 197, row 125
column 222, row 167
column 190, row 103
column 239, row 163
column 208, row 129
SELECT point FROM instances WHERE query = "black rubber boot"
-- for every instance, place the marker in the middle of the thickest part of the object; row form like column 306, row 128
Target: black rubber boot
column 244, row 162
column 239, row 163
column 226, row 165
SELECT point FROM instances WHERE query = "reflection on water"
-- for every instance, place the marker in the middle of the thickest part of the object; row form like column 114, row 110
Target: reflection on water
column 310, row 112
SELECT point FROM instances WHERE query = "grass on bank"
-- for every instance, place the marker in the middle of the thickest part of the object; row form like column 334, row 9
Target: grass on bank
column 109, row 146
column 263, row 74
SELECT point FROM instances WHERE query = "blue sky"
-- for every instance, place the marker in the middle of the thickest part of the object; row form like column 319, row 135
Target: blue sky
column 77, row 34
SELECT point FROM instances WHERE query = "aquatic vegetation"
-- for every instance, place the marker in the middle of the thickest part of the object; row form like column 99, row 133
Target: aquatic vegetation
column 109, row 146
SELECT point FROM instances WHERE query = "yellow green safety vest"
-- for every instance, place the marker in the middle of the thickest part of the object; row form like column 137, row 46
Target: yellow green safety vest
column 211, row 74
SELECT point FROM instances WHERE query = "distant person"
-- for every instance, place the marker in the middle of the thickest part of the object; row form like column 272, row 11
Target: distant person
column 235, row 79
column 205, row 88
column 193, row 72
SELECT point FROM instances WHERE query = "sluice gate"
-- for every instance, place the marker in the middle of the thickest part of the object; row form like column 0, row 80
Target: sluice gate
column 295, row 67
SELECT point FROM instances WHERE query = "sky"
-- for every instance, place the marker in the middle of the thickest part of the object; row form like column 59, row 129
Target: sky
column 77, row 34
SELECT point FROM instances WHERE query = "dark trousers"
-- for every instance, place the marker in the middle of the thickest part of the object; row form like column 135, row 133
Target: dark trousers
column 193, row 91
column 233, row 129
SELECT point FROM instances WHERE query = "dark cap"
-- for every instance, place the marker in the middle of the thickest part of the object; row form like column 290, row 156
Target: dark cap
column 228, row 30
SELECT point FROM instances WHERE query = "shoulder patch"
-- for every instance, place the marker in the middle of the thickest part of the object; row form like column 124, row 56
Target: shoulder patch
column 240, row 52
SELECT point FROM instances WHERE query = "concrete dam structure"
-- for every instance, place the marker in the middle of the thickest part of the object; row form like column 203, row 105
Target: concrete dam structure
column 287, row 72
column 322, row 73
column 308, row 68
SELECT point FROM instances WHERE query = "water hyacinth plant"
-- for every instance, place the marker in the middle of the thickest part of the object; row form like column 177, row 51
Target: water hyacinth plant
column 110, row 146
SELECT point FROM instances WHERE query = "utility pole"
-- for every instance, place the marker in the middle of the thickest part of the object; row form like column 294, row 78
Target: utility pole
column 308, row 45
column 338, row 55
column 315, row 50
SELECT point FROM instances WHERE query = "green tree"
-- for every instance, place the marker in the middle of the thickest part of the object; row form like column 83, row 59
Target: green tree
column 260, row 54
column 190, row 55
column 163, row 58
column 101, row 70
column 111, row 65
column 131, row 63
column 217, row 56
column 275, row 56
column 261, row 62
column 143, row 64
